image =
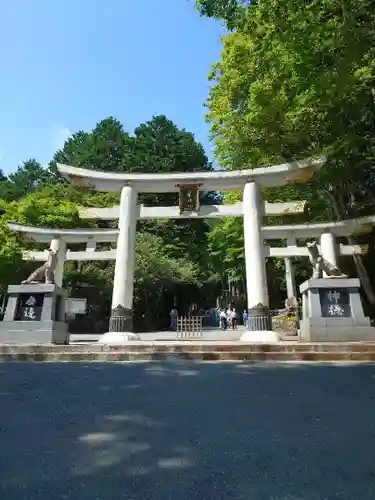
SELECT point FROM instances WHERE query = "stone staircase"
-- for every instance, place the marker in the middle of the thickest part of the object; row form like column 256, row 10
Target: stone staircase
column 191, row 350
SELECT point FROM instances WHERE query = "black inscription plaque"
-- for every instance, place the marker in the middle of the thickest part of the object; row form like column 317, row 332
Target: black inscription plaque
column 29, row 307
column 335, row 302
column 189, row 198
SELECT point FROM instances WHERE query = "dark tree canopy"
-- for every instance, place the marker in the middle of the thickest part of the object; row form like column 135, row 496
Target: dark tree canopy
column 229, row 11
column 156, row 146
column 172, row 256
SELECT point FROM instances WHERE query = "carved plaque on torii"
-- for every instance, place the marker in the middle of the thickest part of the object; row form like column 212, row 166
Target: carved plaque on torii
column 189, row 198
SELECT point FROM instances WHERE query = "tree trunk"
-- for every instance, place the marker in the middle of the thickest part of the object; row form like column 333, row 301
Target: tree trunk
column 360, row 267
column 373, row 95
column 362, row 274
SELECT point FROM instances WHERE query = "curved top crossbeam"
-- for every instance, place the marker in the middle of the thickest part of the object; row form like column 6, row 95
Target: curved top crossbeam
column 216, row 180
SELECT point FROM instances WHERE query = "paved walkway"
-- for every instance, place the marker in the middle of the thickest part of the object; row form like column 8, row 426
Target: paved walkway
column 187, row 431
column 208, row 334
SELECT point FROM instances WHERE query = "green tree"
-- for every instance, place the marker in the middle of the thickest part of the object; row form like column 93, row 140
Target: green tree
column 106, row 147
column 50, row 206
column 157, row 276
column 172, row 256
column 30, row 176
column 11, row 265
column 231, row 11
column 294, row 80
column 155, row 146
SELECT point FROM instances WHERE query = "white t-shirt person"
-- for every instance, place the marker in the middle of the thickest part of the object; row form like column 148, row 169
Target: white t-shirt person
column 223, row 319
column 232, row 316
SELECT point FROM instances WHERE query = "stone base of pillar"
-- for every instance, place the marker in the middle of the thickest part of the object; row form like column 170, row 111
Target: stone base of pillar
column 259, row 327
column 121, row 320
column 118, row 338
column 120, row 327
column 259, row 319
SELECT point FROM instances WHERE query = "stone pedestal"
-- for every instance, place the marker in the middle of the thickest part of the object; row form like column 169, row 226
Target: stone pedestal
column 35, row 314
column 332, row 311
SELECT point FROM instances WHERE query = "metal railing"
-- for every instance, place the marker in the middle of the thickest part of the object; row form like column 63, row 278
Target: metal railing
column 189, row 327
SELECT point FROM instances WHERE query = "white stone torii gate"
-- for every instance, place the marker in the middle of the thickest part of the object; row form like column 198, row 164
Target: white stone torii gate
column 249, row 180
column 329, row 249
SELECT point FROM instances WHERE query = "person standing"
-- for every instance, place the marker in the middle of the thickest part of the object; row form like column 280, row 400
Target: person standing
column 223, row 319
column 245, row 316
column 233, row 316
column 213, row 318
column 229, row 317
column 173, row 317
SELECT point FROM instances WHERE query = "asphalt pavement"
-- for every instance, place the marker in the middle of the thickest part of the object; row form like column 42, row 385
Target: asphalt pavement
column 187, row 431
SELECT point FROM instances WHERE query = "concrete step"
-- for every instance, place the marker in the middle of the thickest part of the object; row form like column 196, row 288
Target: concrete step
column 289, row 338
column 368, row 357
column 197, row 351
column 189, row 346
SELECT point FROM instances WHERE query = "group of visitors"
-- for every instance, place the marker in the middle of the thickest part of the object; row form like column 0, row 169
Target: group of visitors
column 209, row 317
column 228, row 318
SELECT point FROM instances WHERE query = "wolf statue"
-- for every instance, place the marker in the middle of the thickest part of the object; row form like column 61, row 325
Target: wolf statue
column 321, row 265
column 45, row 273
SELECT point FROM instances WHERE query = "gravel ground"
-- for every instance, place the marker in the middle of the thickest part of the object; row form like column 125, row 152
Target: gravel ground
column 187, row 431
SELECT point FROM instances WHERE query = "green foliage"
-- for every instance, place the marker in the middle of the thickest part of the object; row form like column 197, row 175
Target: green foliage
column 155, row 268
column 105, row 148
column 51, row 206
column 231, row 11
column 172, row 256
column 156, row 146
column 284, row 317
column 156, row 275
column 29, row 177
column 11, row 264
column 296, row 79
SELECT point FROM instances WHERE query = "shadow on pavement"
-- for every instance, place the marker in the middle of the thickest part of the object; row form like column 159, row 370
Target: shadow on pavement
column 187, row 431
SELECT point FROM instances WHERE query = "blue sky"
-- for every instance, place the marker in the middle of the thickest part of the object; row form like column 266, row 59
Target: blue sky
column 66, row 64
